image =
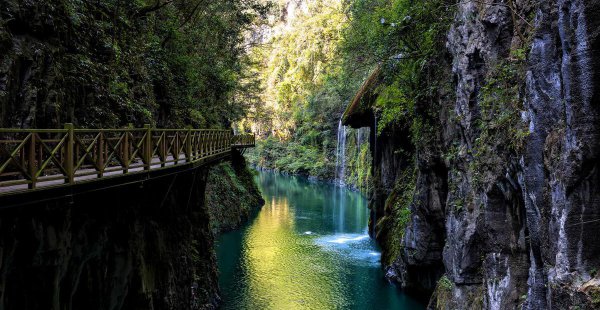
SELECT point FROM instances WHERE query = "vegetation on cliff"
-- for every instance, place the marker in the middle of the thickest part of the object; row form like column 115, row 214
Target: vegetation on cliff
column 305, row 89
column 231, row 194
column 110, row 63
column 317, row 60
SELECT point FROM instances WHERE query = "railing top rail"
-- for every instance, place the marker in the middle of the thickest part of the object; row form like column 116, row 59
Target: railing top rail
column 86, row 130
column 28, row 130
column 90, row 130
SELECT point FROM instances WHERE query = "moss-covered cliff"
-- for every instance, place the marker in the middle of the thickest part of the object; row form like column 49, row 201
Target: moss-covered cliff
column 231, row 194
column 492, row 178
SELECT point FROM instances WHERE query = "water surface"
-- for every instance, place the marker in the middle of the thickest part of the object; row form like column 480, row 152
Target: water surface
column 308, row 248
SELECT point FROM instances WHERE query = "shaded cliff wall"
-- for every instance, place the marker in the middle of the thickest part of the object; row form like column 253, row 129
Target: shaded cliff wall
column 504, row 193
column 141, row 246
column 231, row 194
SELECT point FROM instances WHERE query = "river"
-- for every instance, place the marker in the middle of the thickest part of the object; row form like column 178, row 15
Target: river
column 307, row 248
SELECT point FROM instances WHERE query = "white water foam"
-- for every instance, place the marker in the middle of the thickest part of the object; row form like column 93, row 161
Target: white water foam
column 355, row 248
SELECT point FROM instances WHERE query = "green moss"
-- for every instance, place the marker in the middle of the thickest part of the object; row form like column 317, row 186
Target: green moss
column 393, row 225
column 594, row 294
column 231, row 195
column 445, row 284
column 501, row 132
column 443, row 292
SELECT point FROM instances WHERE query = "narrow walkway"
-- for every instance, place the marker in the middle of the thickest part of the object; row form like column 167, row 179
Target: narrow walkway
column 33, row 159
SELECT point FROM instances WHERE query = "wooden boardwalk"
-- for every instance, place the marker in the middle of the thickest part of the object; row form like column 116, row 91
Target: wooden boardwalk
column 35, row 159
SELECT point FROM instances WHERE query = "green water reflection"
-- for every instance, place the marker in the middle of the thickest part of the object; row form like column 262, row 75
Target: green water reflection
column 307, row 248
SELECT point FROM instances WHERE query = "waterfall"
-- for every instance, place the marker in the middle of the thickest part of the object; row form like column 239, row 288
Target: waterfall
column 340, row 154
column 374, row 210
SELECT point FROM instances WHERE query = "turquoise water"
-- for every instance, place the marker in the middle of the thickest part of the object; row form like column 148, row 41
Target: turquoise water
column 307, row 248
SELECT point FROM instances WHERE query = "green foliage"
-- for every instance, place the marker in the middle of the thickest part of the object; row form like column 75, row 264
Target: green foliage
column 358, row 172
column 109, row 63
column 231, row 195
column 443, row 293
column 314, row 67
column 295, row 64
column 595, row 297
column 398, row 208
column 403, row 36
column 502, row 134
column 292, row 157
column 445, row 284
column 304, row 93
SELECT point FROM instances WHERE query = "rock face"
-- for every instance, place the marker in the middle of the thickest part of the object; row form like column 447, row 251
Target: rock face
column 503, row 203
column 560, row 174
column 231, row 194
column 142, row 246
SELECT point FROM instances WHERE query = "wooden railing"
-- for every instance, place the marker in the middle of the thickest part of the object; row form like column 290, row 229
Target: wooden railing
column 41, row 156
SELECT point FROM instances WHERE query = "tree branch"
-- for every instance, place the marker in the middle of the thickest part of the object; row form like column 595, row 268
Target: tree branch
column 152, row 8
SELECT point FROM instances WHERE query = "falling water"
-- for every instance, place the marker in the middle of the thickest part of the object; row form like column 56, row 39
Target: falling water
column 374, row 208
column 340, row 159
column 357, row 182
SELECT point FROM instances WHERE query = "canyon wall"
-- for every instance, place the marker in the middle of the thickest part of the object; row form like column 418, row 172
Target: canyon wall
column 232, row 196
column 499, row 208
column 139, row 246
column 145, row 245
column 108, row 64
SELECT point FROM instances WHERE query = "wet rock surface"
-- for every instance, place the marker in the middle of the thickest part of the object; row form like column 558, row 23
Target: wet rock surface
column 142, row 246
column 521, row 230
column 231, row 194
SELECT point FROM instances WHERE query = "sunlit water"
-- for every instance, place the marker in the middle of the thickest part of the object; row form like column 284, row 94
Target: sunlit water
column 308, row 248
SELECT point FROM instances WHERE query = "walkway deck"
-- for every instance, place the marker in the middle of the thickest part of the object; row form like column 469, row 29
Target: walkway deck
column 37, row 159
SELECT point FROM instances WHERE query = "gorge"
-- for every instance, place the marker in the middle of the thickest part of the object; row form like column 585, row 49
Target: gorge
column 448, row 147
column 483, row 182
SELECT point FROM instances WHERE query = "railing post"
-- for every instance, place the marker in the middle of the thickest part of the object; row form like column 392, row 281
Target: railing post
column 208, row 142
column 148, row 147
column 31, row 159
column 223, row 142
column 163, row 149
column 100, row 159
column 201, row 140
column 227, row 141
column 176, row 146
column 69, row 153
column 125, row 149
column 219, row 140
column 188, row 145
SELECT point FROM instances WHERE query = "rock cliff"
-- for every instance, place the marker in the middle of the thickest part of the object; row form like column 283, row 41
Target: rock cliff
column 231, row 194
column 105, row 64
column 499, row 209
column 142, row 246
